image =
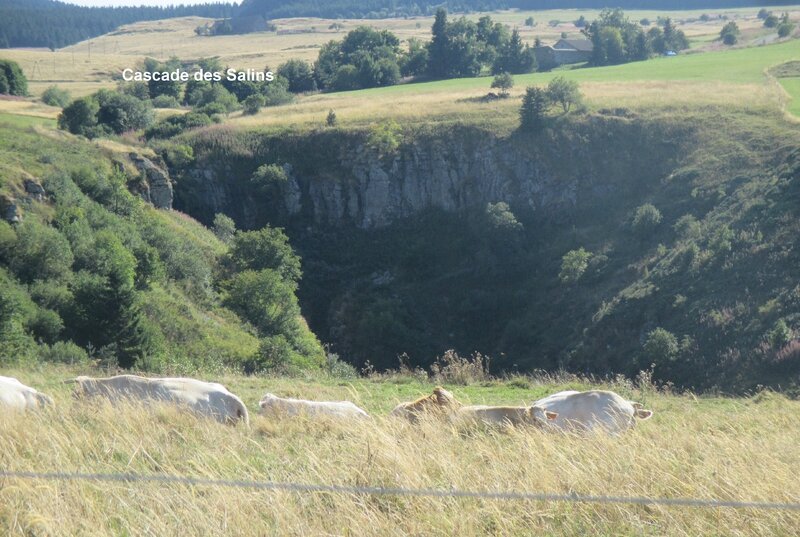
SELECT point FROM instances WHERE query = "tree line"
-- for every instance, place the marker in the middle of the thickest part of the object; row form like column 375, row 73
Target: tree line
column 52, row 24
column 375, row 9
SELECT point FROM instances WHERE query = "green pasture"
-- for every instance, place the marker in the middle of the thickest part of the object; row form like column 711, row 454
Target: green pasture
column 792, row 87
column 737, row 66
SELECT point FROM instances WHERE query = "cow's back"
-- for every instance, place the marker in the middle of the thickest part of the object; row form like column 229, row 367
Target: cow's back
column 14, row 394
column 588, row 411
column 203, row 398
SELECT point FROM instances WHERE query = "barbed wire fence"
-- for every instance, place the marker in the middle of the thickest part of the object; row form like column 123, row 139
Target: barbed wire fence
column 395, row 491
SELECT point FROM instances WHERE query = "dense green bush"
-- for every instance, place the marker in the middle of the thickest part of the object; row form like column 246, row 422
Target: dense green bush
column 252, row 105
column 646, row 218
column 105, row 112
column 661, row 346
column 573, row 265
column 299, row 75
column 55, row 96
column 365, row 58
column 12, row 79
column 166, row 101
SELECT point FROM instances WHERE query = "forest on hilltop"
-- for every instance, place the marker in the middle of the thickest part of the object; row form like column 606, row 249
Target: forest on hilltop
column 53, row 24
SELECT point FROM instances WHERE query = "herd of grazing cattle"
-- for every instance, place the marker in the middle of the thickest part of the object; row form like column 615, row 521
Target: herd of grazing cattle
column 593, row 410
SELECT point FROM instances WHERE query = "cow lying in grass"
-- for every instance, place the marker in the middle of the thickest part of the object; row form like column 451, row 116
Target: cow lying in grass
column 15, row 395
column 206, row 399
column 594, row 410
column 273, row 405
column 517, row 416
column 439, row 403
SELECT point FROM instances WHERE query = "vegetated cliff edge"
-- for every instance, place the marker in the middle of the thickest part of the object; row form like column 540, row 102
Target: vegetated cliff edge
column 405, row 249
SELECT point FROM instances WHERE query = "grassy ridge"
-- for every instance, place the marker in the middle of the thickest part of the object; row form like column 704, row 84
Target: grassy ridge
column 743, row 449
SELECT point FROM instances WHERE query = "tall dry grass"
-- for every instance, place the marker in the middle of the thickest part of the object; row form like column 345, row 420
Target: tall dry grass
column 745, row 449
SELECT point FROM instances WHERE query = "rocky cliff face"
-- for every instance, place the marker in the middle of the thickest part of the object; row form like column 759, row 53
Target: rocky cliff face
column 357, row 185
column 157, row 187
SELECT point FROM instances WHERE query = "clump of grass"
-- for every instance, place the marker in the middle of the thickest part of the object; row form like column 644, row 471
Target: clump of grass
column 454, row 369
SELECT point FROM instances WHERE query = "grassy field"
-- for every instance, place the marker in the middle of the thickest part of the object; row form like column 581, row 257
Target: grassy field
column 709, row 447
column 731, row 78
column 792, row 87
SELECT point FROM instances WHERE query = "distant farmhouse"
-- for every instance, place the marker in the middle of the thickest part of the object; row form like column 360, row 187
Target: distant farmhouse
column 562, row 52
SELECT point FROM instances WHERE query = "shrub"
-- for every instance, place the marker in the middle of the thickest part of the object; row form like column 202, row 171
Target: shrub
column 224, row 228
column 12, row 79
column 573, row 265
column 173, row 125
column 453, row 369
column 645, row 219
column 40, row 252
column 785, row 29
column 503, row 82
column 780, row 334
column 385, row 137
column 331, row 120
column 63, row 353
column 299, row 75
column 564, row 92
column 688, row 227
column 217, row 94
column 252, row 105
column 264, row 299
column 268, row 176
column 165, row 101
column 771, row 21
column 338, row 368
column 501, row 217
column 345, row 78
column 80, row 117
column 661, row 346
column 266, row 248
column 277, row 92
column 55, row 96
column 729, row 33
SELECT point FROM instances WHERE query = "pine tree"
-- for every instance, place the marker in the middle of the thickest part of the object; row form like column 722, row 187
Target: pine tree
column 437, row 49
column 534, row 106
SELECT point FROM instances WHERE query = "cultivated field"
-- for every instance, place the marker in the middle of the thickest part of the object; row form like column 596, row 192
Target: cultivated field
column 709, row 447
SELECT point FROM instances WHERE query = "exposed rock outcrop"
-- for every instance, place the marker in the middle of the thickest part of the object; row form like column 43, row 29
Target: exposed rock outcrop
column 34, row 188
column 9, row 210
column 158, row 187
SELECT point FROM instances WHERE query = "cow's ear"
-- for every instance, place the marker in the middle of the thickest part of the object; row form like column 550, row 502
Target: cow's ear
column 643, row 414
column 550, row 415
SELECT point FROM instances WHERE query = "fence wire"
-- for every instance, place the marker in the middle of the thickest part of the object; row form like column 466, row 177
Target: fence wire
column 396, row 491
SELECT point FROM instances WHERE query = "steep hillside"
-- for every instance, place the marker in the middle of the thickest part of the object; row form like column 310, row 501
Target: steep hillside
column 419, row 240
column 91, row 270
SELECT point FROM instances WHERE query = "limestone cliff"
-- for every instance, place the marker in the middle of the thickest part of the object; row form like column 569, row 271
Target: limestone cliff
column 343, row 180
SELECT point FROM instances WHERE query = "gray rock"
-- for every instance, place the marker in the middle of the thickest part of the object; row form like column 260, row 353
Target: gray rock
column 9, row 210
column 158, row 190
column 34, row 188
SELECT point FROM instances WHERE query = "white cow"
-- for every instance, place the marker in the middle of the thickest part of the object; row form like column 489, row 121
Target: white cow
column 517, row 416
column 593, row 410
column 207, row 399
column 14, row 394
column 272, row 404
